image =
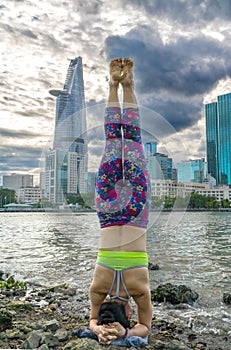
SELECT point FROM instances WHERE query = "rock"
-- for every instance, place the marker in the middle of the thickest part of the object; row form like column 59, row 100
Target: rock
column 66, row 291
column 21, row 306
column 13, row 334
column 52, row 325
column 33, row 341
column 3, row 335
column 61, row 334
column 36, row 326
column 25, row 329
column 53, row 307
column 201, row 346
column 49, row 339
column 174, row 294
column 43, row 347
column 227, row 298
column 152, row 266
column 1, row 275
column 8, row 293
column 159, row 345
column 83, row 344
column 5, row 320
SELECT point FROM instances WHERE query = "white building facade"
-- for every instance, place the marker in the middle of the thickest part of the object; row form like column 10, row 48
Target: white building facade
column 30, row 195
column 173, row 189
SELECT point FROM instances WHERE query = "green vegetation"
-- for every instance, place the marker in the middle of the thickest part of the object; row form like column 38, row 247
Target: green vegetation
column 194, row 201
column 83, row 200
column 7, row 196
column 11, row 283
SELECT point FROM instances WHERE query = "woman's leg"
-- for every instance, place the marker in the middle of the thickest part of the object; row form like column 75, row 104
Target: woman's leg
column 135, row 168
column 110, row 170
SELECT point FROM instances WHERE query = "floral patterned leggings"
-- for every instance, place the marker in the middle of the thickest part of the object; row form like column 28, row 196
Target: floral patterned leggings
column 123, row 184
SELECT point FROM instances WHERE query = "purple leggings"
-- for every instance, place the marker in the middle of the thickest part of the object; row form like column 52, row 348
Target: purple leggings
column 123, row 185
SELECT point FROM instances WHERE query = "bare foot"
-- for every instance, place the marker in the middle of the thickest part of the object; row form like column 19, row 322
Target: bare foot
column 127, row 76
column 115, row 71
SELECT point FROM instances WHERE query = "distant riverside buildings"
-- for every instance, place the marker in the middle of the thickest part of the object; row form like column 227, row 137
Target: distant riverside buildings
column 220, row 193
column 63, row 175
column 218, row 139
column 67, row 163
column 192, row 170
column 159, row 164
column 29, row 195
column 16, row 181
column 173, row 189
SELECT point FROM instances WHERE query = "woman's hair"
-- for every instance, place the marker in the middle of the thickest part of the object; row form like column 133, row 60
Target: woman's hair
column 110, row 312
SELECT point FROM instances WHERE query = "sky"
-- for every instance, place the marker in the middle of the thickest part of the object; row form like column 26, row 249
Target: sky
column 181, row 51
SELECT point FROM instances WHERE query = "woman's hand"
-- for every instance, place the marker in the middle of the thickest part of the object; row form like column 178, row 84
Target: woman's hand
column 118, row 329
column 107, row 333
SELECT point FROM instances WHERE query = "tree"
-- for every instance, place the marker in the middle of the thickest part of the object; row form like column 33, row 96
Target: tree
column 225, row 203
column 168, row 202
column 7, row 196
column 157, row 202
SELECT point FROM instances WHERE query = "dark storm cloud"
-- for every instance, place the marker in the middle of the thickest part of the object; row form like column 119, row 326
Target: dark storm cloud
column 19, row 158
column 188, row 66
column 186, row 11
column 176, row 75
column 180, row 114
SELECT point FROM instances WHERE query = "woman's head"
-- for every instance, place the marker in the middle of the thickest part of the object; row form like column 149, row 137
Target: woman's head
column 110, row 312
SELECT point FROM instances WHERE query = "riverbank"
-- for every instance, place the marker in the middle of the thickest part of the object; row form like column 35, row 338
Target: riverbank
column 82, row 211
column 44, row 318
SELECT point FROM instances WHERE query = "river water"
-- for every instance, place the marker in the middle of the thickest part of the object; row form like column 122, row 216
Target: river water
column 190, row 248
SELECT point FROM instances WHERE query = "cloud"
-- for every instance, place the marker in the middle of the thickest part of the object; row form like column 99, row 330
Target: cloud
column 185, row 12
column 189, row 66
column 9, row 133
column 173, row 77
column 19, row 157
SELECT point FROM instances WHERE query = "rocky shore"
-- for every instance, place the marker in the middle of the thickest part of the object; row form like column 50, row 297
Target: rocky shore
column 34, row 317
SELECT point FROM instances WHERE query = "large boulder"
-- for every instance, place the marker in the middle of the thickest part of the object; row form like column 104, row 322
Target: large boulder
column 5, row 320
column 174, row 294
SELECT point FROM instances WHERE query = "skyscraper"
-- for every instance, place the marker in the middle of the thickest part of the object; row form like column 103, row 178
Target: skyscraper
column 212, row 139
column 218, row 131
column 66, row 164
column 191, row 170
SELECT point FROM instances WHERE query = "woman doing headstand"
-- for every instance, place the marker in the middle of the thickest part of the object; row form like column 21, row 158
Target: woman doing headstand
column 122, row 201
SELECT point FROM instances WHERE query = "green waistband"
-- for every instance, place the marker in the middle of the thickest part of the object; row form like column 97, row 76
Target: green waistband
column 122, row 260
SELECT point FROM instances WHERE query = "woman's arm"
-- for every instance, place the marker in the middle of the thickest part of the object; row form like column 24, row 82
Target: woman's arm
column 144, row 309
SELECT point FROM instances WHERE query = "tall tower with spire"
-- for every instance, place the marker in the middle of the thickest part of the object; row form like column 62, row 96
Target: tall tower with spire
column 67, row 163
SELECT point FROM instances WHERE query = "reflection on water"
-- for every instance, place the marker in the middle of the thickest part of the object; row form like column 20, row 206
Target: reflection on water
column 49, row 249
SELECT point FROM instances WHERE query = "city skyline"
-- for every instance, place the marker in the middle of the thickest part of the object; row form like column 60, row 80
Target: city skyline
column 181, row 63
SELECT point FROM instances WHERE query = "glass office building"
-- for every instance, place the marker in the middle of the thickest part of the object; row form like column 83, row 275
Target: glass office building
column 67, row 162
column 224, row 144
column 218, row 138
column 191, row 171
